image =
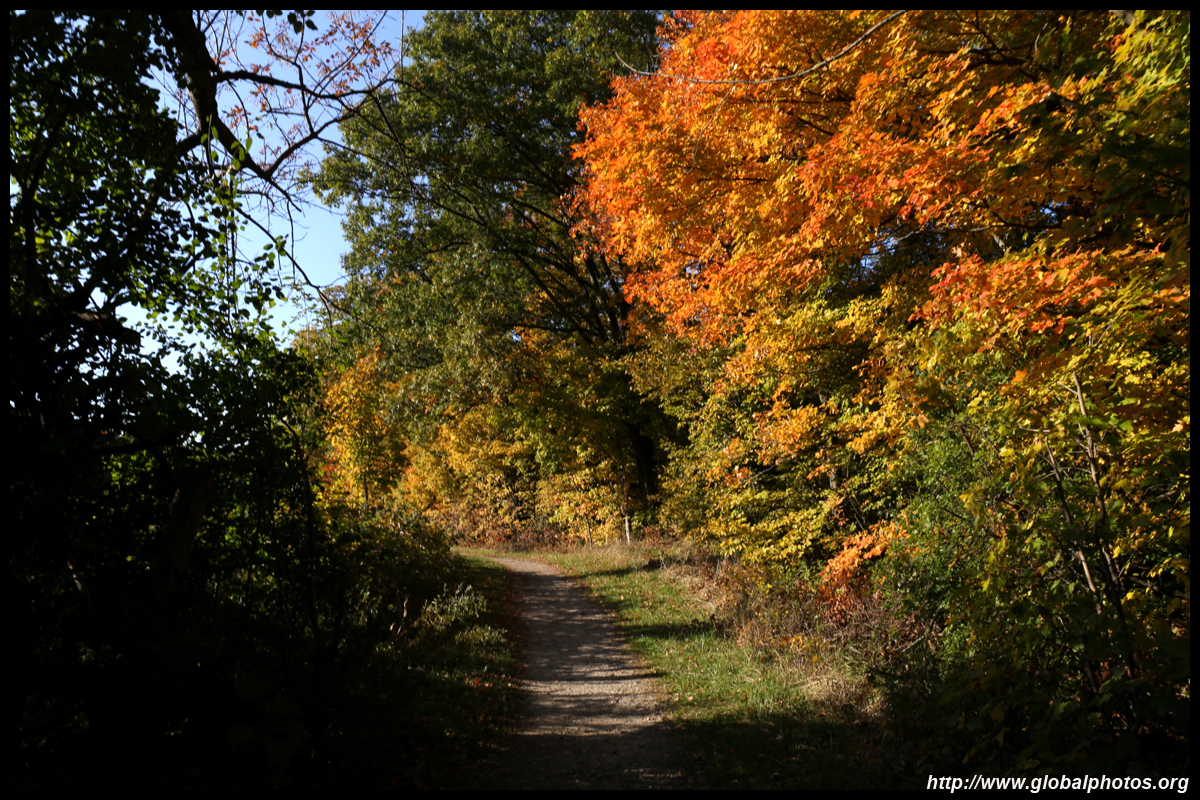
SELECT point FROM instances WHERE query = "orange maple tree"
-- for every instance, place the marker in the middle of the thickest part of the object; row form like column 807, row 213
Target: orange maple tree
column 747, row 167
column 938, row 166
column 923, row 241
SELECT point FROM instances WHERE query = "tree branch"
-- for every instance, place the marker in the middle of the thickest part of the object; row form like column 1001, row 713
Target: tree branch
column 821, row 65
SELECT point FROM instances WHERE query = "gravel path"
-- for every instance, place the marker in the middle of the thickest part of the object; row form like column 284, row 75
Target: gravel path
column 591, row 717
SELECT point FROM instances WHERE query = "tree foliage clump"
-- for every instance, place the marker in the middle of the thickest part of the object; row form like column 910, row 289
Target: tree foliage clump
column 183, row 611
column 935, row 270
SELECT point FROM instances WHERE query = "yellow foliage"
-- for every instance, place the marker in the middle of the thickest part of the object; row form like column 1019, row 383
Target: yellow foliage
column 365, row 454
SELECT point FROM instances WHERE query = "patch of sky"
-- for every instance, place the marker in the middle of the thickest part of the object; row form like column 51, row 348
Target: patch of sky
column 313, row 231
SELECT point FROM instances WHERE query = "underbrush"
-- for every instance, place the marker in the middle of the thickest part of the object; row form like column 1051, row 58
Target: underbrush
column 384, row 668
column 473, row 528
column 462, row 666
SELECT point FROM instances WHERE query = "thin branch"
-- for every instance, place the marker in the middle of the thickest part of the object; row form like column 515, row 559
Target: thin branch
column 844, row 51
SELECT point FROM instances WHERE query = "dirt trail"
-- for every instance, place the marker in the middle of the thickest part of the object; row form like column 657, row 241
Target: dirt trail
column 591, row 718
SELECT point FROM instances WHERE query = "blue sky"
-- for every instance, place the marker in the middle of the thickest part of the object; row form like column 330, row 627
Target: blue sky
column 319, row 243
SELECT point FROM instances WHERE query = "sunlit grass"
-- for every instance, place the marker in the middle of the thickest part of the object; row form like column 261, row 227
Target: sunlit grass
column 755, row 716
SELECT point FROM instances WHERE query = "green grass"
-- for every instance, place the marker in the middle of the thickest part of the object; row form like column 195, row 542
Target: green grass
column 754, row 717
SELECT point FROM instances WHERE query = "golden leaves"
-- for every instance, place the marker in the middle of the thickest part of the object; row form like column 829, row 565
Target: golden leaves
column 363, row 450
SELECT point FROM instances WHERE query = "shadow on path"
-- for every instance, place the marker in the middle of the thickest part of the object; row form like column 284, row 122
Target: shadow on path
column 591, row 718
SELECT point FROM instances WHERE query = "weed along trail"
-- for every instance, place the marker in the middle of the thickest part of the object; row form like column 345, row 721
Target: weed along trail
column 591, row 719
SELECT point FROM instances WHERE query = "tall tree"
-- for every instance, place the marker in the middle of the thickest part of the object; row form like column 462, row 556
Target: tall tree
column 462, row 217
column 102, row 220
column 948, row 255
column 175, row 595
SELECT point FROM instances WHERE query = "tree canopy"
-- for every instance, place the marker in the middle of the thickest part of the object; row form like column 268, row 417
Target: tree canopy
column 470, row 273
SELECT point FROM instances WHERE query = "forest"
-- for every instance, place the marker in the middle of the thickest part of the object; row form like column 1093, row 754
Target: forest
column 887, row 314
